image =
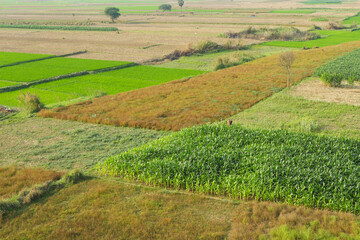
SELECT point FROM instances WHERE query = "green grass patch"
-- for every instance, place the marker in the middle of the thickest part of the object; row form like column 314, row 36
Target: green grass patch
column 117, row 81
column 352, row 20
column 266, row 165
column 66, row 145
column 346, row 67
column 13, row 57
column 319, row 19
column 329, row 38
column 47, row 97
column 33, row 71
column 297, row 11
column 7, row 83
column 64, row 28
column 284, row 111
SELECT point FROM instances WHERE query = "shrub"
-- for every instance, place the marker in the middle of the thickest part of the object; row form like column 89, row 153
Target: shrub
column 207, row 46
column 333, row 80
column 30, row 102
column 165, row 7
column 282, row 33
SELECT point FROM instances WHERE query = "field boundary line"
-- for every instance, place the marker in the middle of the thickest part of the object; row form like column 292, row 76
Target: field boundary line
column 66, row 76
column 44, row 58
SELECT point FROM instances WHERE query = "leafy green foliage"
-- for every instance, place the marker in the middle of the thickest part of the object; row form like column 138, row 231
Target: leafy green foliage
column 345, row 67
column 265, row 165
column 112, row 12
column 65, row 28
column 332, row 79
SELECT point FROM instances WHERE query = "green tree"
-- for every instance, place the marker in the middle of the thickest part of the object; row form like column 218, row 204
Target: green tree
column 165, row 7
column 113, row 13
column 181, row 4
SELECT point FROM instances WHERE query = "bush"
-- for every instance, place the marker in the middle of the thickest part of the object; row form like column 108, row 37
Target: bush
column 206, row 46
column 333, row 80
column 282, row 33
column 30, row 102
column 165, row 7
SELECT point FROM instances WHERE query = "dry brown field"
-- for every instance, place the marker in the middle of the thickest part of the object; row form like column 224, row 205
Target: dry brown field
column 165, row 32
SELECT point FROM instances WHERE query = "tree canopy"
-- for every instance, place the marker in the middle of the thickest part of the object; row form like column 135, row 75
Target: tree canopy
column 112, row 12
column 165, row 7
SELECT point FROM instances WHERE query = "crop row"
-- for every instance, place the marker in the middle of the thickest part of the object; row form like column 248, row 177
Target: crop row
column 66, row 28
column 206, row 98
column 345, row 67
column 265, row 165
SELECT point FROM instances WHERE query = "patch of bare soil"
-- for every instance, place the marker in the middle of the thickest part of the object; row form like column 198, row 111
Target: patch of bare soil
column 314, row 89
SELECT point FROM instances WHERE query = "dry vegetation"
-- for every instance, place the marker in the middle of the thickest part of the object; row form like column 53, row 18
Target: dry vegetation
column 116, row 210
column 13, row 179
column 202, row 99
column 314, row 89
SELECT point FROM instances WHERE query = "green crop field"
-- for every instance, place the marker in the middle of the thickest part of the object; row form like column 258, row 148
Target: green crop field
column 47, row 97
column 352, row 20
column 347, row 66
column 92, row 85
column 266, row 165
column 329, row 38
column 12, row 57
column 33, row 71
column 298, row 11
column 118, row 81
column 7, row 83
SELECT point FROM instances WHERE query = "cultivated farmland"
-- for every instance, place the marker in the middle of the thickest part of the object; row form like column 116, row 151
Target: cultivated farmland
column 346, row 66
column 265, row 165
column 33, row 71
column 11, row 57
column 295, row 146
column 185, row 103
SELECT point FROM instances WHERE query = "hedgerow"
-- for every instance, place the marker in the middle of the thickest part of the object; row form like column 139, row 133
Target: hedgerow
column 242, row 163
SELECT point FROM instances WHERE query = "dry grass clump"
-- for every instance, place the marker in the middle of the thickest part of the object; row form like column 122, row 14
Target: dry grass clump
column 206, row 98
column 269, row 34
column 254, row 220
column 30, row 103
column 13, row 179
